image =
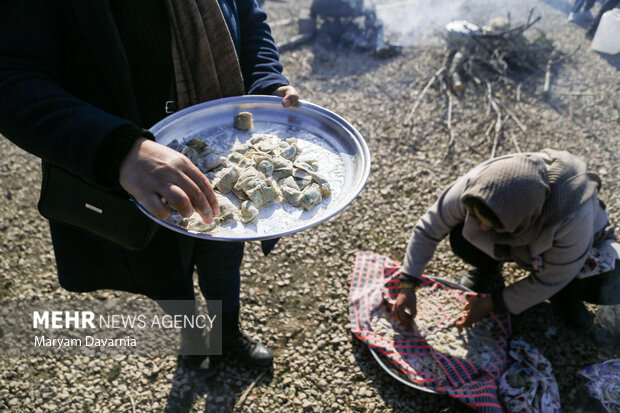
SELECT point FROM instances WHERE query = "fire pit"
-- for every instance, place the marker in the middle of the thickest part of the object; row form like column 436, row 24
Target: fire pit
column 338, row 8
column 351, row 24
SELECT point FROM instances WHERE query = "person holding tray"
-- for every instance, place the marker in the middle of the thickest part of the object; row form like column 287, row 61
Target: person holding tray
column 540, row 210
column 79, row 84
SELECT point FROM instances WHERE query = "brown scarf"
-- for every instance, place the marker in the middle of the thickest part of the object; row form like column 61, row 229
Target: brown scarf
column 205, row 61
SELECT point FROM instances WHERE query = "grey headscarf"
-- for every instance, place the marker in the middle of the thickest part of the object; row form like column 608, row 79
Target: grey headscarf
column 528, row 192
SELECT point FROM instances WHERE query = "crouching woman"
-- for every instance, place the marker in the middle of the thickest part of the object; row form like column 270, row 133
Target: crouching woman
column 540, row 210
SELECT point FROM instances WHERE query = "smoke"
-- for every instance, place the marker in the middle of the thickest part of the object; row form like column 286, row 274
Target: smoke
column 421, row 22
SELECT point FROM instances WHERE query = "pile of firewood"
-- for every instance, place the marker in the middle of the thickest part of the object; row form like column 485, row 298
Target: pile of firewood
column 492, row 58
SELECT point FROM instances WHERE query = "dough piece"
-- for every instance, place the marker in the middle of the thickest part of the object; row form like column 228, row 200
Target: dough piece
column 248, row 212
column 212, row 161
column 289, row 152
column 227, row 208
column 226, row 179
column 310, row 197
column 290, row 182
column 266, row 167
column 195, row 223
column 291, row 195
column 198, row 144
column 243, row 121
column 249, row 179
column 192, row 154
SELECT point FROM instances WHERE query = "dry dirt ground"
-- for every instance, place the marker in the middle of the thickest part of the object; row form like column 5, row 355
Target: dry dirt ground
column 295, row 300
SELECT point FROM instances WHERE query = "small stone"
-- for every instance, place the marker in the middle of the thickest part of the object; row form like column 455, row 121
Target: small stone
column 286, row 381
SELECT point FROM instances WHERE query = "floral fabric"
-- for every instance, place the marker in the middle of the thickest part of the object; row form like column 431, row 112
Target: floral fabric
column 528, row 385
column 604, row 384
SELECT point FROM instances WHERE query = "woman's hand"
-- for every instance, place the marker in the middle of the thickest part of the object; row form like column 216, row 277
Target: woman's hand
column 478, row 308
column 404, row 309
column 289, row 95
column 152, row 172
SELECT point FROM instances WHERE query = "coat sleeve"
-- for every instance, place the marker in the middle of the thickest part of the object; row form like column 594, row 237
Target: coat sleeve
column 36, row 112
column 259, row 58
column 561, row 263
column 432, row 227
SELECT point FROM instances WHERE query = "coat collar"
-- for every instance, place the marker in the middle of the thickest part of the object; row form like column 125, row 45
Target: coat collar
column 97, row 24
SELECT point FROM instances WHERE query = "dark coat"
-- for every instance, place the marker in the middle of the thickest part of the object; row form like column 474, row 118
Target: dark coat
column 65, row 85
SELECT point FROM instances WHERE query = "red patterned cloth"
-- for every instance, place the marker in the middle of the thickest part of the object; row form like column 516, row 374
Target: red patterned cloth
column 375, row 282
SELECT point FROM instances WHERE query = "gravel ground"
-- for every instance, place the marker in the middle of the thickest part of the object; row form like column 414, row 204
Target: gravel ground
column 295, row 300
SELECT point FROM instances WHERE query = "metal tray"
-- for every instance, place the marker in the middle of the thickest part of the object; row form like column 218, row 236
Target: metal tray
column 390, row 370
column 341, row 151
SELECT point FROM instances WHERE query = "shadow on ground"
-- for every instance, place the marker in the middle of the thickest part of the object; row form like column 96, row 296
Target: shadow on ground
column 613, row 60
column 224, row 392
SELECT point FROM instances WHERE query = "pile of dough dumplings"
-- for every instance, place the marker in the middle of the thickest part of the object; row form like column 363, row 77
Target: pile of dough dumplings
column 259, row 172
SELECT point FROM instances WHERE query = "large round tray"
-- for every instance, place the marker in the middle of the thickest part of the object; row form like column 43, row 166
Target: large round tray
column 336, row 139
column 389, row 370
